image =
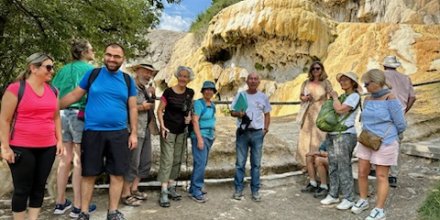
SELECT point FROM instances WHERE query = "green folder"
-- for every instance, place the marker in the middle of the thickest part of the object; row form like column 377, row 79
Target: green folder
column 241, row 104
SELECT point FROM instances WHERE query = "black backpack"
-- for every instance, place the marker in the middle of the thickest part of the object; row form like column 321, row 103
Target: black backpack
column 19, row 97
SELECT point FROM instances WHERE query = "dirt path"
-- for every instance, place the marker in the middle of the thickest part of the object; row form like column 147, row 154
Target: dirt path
column 282, row 199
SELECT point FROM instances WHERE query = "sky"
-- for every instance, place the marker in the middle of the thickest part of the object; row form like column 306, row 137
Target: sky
column 178, row 17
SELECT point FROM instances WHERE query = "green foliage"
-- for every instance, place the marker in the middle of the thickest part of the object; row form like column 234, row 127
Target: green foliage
column 200, row 25
column 29, row 26
column 269, row 67
column 431, row 206
column 258, row 66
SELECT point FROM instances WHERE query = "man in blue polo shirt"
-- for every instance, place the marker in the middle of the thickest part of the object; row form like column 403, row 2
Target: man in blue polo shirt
column 110, row 99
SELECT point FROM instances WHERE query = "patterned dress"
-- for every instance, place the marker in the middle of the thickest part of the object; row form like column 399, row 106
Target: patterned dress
column 310, row 136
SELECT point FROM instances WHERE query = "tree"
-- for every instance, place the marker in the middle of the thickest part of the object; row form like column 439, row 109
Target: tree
column 28, row 26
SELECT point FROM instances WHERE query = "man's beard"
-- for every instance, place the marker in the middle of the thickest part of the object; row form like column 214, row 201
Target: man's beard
column 111, row 69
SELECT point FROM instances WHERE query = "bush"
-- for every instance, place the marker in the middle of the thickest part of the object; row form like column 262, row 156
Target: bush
column 200, row 25
column 431, row 206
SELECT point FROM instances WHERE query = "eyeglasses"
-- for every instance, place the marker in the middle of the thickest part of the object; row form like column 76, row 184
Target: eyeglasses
column 49, row 67
column 316, row 68
column 114, row 56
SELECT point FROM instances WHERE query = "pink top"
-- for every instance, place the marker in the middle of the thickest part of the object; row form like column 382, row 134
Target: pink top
column 35, row 125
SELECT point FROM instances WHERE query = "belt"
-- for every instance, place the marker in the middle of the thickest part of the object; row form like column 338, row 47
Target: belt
column 254, row 129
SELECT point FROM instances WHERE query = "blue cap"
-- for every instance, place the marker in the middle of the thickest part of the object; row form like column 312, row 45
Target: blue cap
column 209, row 85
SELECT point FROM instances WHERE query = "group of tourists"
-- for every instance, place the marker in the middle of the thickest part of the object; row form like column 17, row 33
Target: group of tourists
column 327, row 153
column 102, row 120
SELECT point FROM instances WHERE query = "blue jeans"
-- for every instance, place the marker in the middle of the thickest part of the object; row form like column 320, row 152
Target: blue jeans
column 252, row 139
column 200, row 160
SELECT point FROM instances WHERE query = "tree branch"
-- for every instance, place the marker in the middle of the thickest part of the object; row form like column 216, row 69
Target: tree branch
column 33, row 16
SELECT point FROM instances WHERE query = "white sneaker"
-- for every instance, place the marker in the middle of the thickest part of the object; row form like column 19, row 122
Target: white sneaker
column 344, row 205
column 329, row 200
column 375, row 214
column 360, row 206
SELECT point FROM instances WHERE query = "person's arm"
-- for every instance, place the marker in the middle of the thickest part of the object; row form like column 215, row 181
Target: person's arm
column 132, row 144
column 410, row 103
column 160, row 113
column 340, row 108
column 58, row 131
column 72, row 97
column 266, row 122
column 397, row 115
column 9, row 102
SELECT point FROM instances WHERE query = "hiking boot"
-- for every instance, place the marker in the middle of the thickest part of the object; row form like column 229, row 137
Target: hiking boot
column 200, row 198
column 320, row 193
column 117, row 215
column 360, row 206
column 256, row 196
column 392, row 181
column 345, row 204
column 309, row 189
column 238, row 195
column 62, row 208
column 375, row 214
column 329, row 200
column 163, row 200
column 83, row 216
column 172, row 193
column 76, row 211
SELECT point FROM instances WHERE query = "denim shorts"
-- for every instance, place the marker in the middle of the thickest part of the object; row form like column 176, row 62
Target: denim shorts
column 72, row 128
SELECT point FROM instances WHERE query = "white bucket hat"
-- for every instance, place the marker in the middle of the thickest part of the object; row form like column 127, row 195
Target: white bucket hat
column 353, row 77
column 391, row 62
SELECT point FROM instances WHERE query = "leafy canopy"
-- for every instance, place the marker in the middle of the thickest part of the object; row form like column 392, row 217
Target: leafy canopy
column 29, row 26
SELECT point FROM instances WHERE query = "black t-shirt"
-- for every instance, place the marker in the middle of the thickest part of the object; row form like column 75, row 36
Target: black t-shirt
column 178, row 106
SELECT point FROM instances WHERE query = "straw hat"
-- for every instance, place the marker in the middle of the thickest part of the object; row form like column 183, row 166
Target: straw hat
column 145, row 66
column 352, row 76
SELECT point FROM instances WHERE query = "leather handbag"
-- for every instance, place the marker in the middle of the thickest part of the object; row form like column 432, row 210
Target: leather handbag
column 370, row 140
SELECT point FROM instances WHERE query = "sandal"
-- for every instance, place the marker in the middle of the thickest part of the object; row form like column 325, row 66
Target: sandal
column 131, row 201
column 139, row 195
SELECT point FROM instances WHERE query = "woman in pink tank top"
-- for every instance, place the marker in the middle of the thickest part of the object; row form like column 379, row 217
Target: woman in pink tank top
column 30, row 134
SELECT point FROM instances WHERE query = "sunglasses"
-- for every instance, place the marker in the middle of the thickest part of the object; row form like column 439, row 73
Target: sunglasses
column 48, row 67
column 367, row 84
column 316, row 68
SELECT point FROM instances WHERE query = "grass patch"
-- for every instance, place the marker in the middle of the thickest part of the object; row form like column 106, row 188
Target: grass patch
column 431, row 206
column 200, row 25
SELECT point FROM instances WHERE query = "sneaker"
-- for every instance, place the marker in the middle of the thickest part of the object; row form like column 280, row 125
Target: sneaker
column 172, row 193
column 62, row 208
column 392, row 181
column 320, row 193
column 375, row 214
column 329, row 200
column 83, row 216
column 76, row 211
column 345, row 204
column 200, row 198
column 238, row 195
column 256, row 196
column 117, row 215
column 360, row 206
column 309, row 189
column 163, row 200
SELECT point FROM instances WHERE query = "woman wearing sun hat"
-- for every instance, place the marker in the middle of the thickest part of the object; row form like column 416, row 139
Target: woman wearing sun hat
column 342, row 143
column 202, row 138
